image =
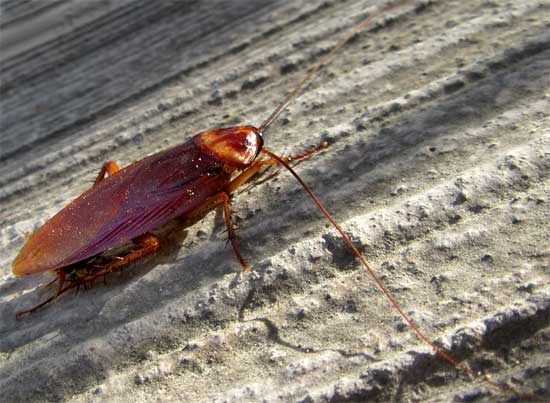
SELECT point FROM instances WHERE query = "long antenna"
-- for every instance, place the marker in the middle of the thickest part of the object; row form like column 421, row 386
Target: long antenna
column 324, row 60
column 420, row 334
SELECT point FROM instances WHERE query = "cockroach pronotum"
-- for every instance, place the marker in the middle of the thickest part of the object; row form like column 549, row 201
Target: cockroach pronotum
column 183, row 181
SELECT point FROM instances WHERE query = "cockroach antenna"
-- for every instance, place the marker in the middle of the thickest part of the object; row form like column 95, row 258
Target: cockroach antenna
column 324, row 60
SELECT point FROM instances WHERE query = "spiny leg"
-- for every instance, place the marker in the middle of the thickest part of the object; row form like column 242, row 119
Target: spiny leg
column 109, row 168
column 230, row 232
column 210, row 203
column 61, row 290
column 146, row 244
column 256, row 166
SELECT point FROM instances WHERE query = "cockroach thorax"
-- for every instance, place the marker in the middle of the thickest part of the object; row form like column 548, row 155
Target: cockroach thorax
column 237, row 146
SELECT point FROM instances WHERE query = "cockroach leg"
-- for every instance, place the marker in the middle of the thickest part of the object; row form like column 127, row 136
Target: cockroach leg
column 303, row 156
column 109, row 168
column 52, row 282
column 230, row 233
column 61, row 278
column 60, row 291
column 146, row 244
column 210, row 203
column 256, row 166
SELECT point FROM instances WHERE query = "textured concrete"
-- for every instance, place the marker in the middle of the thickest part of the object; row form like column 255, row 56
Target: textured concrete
column 439, row 169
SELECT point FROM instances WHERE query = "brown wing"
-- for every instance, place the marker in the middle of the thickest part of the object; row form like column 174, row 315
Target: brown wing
column 137, row 199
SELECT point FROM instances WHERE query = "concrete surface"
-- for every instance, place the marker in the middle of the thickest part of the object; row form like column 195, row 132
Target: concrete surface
column 439, row 169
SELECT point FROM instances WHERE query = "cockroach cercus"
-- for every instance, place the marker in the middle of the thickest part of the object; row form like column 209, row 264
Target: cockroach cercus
column 183, row 181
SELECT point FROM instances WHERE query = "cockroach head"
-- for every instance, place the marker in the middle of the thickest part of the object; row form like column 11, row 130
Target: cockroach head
column 237, row 146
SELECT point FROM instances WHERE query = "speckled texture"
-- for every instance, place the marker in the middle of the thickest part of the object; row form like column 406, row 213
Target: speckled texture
column 439, row 167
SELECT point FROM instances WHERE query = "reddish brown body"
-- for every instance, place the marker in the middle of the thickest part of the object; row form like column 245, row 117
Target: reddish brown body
column 140, row 198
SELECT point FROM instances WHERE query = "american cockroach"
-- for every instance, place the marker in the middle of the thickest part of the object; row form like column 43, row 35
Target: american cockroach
column 183, row 181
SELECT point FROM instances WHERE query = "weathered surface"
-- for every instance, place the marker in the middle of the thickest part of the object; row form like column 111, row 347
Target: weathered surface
column 439, row 167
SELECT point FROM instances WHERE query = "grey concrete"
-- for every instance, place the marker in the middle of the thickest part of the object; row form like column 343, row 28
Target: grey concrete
column 439, row 169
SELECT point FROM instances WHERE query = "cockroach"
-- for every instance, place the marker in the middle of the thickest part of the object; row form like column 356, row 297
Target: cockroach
column 126, row 204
